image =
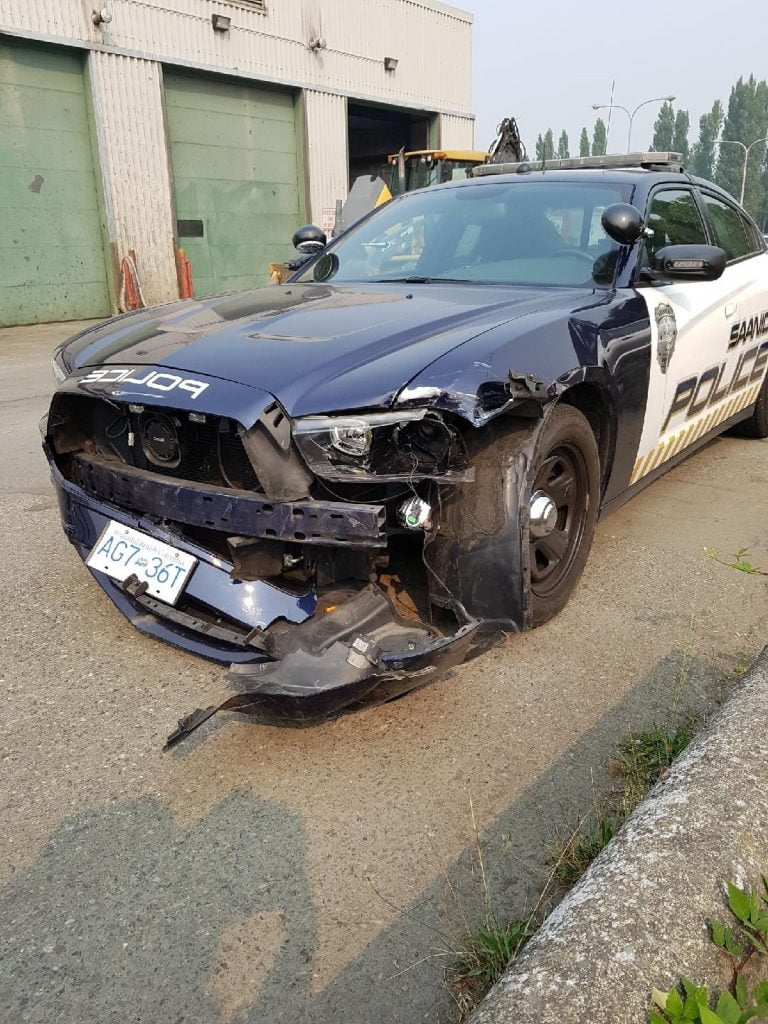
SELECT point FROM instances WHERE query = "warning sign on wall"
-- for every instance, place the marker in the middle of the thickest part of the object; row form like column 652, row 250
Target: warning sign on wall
column 328, row 220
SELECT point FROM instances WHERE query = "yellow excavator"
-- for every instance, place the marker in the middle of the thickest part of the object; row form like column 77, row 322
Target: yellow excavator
column 410, row 170
column 422, row 167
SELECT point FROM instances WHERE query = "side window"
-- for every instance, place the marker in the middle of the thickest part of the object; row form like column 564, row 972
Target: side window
column 675, row 219
column 731, row 230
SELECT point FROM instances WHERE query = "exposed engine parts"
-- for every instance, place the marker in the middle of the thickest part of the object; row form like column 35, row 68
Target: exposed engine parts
column 415, row 514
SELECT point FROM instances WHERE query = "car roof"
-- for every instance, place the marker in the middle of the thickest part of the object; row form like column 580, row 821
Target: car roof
column 647, row 177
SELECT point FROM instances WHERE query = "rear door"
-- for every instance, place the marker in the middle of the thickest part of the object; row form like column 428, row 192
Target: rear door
column 698, row 378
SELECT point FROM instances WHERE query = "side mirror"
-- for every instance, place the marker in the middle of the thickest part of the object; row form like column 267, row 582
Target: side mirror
column 690, row 262
column 623, row 223
column 309, row 239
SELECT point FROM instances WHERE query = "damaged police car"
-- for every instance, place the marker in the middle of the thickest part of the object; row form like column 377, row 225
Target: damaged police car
column 343, row 486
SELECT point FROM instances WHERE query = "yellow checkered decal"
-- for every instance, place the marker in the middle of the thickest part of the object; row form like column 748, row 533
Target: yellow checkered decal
column 692, row 431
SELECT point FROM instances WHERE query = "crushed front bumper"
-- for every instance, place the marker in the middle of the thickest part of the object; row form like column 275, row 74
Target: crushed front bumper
column 241, row 606
column 319, row 664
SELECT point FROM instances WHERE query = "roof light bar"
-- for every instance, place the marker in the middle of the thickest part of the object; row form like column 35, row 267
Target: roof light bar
column 665, row 161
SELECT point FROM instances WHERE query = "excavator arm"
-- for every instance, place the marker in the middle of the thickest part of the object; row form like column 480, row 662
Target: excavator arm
column 507, row 147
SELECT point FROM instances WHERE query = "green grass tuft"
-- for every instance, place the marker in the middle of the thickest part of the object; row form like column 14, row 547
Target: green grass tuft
column 573, row 857
column 643, row 757
column 490, row 949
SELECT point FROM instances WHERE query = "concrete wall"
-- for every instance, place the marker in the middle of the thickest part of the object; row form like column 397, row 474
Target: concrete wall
column 133, row 160
column 458, row 132
column 325, row 127
column 430, row 41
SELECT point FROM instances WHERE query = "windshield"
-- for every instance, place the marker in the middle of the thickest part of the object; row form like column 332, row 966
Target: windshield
column 518, row 233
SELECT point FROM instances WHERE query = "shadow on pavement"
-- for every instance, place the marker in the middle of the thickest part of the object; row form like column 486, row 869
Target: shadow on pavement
column 127, row 917
column 121, row 919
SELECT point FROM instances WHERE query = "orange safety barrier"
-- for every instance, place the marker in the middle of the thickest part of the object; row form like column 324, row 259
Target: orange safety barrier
column 184, row 268
column 131, row 296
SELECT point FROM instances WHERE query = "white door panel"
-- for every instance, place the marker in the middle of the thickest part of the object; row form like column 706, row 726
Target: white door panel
column 709, row 357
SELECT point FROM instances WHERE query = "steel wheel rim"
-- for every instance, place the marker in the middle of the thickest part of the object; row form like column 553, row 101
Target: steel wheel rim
column 564, row 477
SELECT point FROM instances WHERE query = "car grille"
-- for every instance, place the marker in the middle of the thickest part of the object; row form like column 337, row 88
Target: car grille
column 170, row 442
column 209, row 452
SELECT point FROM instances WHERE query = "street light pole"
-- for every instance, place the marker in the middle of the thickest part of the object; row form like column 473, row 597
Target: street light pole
column 735, row 142
column 631, row 114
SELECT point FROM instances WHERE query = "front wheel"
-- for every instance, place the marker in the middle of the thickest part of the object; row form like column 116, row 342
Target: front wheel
column 562, row 510
column 511, row 545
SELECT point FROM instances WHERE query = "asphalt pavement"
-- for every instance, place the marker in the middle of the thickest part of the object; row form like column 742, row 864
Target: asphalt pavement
column 273, row 874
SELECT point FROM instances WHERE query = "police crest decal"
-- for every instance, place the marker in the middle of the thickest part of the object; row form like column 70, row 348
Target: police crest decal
column 667, row 326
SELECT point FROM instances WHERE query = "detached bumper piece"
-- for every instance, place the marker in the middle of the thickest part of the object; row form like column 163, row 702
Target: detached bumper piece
column 356, row 652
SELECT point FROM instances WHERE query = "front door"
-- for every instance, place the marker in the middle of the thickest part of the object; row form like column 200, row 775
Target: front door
column 702, row 367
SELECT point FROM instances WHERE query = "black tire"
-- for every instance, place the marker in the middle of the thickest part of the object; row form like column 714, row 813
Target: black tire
column 755, row 425
column 483, row 555
column 565, row 451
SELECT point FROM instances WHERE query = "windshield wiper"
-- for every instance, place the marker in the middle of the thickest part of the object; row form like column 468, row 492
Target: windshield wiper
column 417, row 279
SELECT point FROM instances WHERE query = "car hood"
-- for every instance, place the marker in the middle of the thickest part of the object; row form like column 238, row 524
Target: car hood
column 316, row 348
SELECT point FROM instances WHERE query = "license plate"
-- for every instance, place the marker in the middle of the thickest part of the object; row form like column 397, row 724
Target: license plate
column 121, row 552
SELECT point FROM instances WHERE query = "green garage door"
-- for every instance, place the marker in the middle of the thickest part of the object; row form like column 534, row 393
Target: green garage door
column 236, row 180
column 51, row 251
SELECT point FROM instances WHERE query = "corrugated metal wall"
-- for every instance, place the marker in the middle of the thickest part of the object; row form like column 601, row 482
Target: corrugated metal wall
column 430, row 41
column 325, row 118
column 126, row 96
column 51, row 254
column 234, row 155
column 458, row 132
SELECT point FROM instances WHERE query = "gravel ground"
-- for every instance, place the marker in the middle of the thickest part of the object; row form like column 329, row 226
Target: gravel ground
column 264, row 874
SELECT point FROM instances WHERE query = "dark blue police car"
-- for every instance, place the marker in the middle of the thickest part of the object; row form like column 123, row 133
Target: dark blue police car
column 343, row 486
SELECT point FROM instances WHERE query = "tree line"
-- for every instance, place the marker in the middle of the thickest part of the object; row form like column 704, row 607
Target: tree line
column 713, row 155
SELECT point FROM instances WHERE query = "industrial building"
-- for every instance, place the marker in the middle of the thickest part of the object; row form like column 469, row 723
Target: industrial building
column 143, row 127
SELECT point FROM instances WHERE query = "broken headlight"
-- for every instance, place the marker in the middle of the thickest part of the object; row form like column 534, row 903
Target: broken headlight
column 407, row 445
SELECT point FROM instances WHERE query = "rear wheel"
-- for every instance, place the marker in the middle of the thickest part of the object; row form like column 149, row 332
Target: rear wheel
column 756, row 425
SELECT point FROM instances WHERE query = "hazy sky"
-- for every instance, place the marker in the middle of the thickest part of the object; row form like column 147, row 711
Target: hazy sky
column 547, row 61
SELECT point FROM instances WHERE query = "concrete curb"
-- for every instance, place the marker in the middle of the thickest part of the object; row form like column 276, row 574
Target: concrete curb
column 637, row 918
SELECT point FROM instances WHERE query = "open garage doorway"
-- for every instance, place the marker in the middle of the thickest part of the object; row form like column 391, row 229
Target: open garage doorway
column 375, row 132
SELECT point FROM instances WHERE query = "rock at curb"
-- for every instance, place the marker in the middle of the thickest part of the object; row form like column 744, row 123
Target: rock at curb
column 637, row 918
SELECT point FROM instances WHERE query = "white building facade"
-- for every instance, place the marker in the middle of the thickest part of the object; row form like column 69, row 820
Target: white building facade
column 149, row 126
